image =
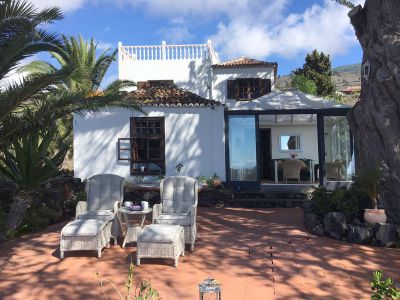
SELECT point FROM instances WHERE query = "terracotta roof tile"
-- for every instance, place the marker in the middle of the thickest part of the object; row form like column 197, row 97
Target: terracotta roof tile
column 169, row 95
column 245, row 62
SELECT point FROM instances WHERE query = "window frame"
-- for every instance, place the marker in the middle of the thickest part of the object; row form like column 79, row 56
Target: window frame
column 235, row 88
column 300, row 149
column 146, row 139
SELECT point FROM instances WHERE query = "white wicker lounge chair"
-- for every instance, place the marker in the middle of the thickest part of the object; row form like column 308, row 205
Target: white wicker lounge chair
column 105, row 193
column 178, row 205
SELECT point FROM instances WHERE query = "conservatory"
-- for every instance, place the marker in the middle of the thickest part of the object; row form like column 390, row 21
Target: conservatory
column 288, row 137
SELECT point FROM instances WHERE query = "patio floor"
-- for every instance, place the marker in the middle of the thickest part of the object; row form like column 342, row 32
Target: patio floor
column 255, row 253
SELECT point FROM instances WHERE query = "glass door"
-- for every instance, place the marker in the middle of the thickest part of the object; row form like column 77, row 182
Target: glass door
column 242, row 136
column 339, row 159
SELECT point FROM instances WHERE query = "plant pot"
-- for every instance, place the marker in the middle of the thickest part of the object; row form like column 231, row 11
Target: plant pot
column 372, row 216
column 217, row 182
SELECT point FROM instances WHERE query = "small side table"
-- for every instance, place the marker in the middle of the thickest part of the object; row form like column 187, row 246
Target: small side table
column 129, row 225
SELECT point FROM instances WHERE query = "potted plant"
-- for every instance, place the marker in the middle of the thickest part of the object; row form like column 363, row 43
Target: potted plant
column 369, row 179
column 202, row 180
column 216, row 180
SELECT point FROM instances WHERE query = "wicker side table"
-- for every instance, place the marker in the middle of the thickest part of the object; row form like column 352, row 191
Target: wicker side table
column 130, row 224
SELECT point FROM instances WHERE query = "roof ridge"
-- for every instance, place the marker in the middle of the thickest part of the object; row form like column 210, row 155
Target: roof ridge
column 170, row 95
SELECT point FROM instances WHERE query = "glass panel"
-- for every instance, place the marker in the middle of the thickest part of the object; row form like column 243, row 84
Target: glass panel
column 155, row 144
column 242, row 148
column 289, row 142
column 339, row 162
column 154, row 154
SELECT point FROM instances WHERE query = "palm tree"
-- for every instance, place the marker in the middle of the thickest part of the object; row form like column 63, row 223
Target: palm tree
column 40, row 99
column 21, row 36
column 80, row 54
column 85, row 81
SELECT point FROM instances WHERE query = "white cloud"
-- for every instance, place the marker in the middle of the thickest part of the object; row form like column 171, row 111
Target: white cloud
column 325, row 28
column 65, row 5
column 256, row 28
column 101, row 45
column 177, row 32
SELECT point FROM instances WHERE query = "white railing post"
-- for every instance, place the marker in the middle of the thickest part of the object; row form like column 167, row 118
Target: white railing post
column 311, row 172
column 119, row 51
column 163, row 52
column 276, row 171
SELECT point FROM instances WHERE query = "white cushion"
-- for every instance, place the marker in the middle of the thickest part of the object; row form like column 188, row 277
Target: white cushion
column 105, row 215
column 156, row 233
column 178, row 194
column 173, row 219
column 103, row 190
column 84, row 227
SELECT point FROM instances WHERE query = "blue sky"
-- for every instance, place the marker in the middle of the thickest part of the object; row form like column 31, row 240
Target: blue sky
column 273, row 30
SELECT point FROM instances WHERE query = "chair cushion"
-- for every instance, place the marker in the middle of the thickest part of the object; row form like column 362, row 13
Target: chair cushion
column 173, row 219
column 103, row 190
column 156, row 233
column 83, row 227
column 105, row 215
column 178, row 194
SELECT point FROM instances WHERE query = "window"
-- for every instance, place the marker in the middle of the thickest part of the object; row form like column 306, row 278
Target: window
column 289, row 143
column 149, row 83
column 147, row 146
column 247, row 88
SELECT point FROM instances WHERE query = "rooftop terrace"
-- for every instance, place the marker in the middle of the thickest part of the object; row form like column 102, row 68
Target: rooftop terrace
column 168, row 52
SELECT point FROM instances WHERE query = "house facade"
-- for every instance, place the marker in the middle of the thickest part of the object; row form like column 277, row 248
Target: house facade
column 212, row 117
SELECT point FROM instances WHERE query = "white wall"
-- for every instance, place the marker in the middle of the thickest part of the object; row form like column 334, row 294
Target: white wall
column 221, row 75
column 192, row 75
column 308, row 140
column 193, row 137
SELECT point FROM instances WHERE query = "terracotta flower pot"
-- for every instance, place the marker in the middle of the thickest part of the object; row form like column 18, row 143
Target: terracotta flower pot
column 373, row 216
column 217, row 182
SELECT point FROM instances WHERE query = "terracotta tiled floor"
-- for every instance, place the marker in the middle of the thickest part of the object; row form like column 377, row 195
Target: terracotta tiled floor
column 255, row 253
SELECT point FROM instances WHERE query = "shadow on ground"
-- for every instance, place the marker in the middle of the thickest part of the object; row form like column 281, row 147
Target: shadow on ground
column 255, row 253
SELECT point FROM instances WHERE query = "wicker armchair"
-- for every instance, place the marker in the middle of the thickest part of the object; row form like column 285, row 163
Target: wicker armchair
column 333, row 170
column 178, row 205
column 105, row 193
column 291, row 169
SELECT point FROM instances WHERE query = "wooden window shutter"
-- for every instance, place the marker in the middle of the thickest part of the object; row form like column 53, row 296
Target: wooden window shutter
column 231, row 88
column 265, row 86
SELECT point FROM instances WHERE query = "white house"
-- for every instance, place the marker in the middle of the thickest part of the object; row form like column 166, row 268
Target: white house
column 212, row 117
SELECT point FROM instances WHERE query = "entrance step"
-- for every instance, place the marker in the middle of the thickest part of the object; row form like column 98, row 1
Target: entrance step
column 270, row 198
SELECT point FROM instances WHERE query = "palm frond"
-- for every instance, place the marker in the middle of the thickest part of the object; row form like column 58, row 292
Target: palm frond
column 345, row 3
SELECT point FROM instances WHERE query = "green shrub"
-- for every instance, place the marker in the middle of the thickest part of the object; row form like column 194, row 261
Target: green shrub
column 383, row 289
column 340, row 200
column 38, row 218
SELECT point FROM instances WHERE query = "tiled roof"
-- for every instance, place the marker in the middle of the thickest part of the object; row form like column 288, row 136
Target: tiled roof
column 245, row 62
column 169, row 95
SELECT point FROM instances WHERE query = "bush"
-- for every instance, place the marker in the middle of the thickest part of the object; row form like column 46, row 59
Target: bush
column 383, row 289
column 38, row 218
column 340, row 200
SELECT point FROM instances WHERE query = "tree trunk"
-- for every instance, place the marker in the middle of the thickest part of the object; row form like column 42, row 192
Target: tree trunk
column 21, row 203
column 375, row 119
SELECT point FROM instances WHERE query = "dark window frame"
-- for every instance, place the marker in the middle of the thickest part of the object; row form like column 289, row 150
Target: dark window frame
column 137, row 137
column 245, row 89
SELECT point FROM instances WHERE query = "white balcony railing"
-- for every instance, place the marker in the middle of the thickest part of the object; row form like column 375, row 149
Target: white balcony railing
column 168, row 52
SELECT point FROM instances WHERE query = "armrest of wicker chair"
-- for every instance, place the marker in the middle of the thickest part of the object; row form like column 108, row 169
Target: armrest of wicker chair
column 193, row 214
column 117, row 205
column 157, row 209
column 81, row 207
